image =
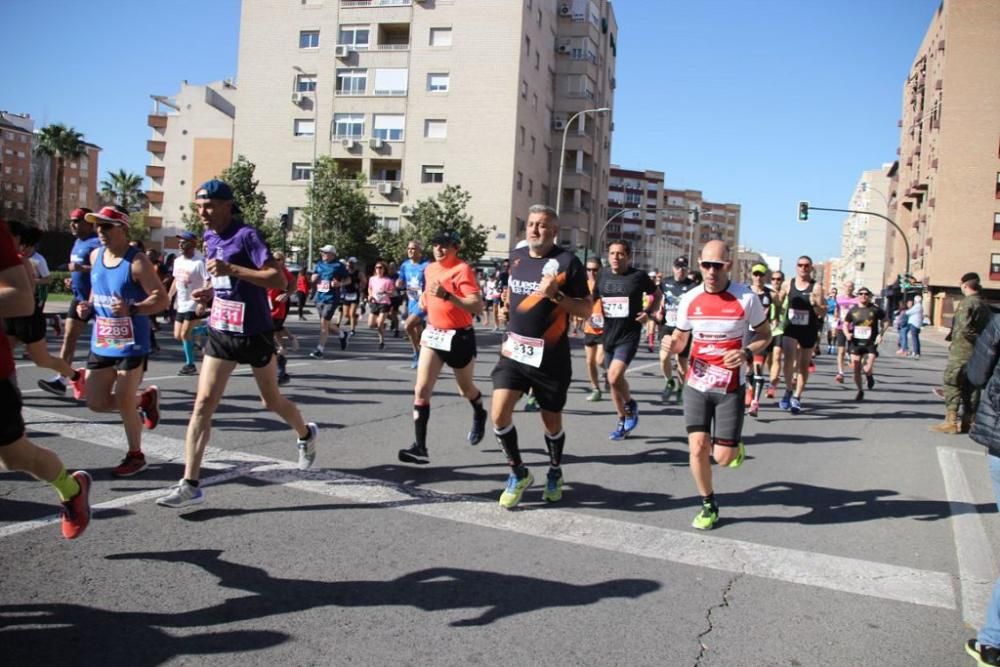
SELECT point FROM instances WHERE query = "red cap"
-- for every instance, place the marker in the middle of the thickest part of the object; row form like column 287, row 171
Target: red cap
column 108, row 214
column 79, row 213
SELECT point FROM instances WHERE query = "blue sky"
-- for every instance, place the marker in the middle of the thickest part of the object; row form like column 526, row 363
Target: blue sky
column 757, row 102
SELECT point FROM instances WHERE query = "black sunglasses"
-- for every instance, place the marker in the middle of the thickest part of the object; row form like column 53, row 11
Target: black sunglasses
column 758, row 273
column 718, row 266
column 803, row 266
column 593, row 269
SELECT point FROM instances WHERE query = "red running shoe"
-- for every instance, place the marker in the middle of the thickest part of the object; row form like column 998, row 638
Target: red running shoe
column 149, row 407
column 133, row 463
column 76, row 510
column 80, row 384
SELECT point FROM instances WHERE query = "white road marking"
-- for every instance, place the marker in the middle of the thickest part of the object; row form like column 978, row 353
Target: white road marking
column 976, row 570
column 837, row 573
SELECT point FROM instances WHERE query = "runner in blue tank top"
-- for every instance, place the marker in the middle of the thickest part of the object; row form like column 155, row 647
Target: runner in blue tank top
column 411, row 278
column 124, row 291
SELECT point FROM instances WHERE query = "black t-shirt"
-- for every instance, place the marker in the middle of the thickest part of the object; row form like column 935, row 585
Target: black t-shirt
column 673, row 290
column 535, row 316
column 621, row 301
column 864, row 322
column 502, row 278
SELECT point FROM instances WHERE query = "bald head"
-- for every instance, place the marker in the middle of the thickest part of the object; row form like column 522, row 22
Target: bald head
column 715, row 251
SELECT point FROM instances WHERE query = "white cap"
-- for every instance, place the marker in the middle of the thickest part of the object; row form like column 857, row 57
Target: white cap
column 328, row 249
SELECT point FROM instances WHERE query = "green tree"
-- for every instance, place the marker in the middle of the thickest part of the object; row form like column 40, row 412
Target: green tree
column 338, row 211
column 137, row 228
column 125, row 189
column 447, row 210
column 251, row 202
column 192, row 222
column 60, row 143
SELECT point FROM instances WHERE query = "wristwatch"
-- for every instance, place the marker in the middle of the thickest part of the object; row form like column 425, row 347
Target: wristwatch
column 558, row 297
column 748, row 354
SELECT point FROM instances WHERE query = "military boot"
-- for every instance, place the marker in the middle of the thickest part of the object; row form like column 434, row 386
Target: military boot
column 949, row 425
column 965, row 425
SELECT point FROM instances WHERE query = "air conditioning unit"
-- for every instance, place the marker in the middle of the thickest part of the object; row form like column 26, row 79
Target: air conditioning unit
column 385, row 188
column 349, row 143
column 296, row 98
column 341, row 51
column 565, row 9
column 405, row 210
column 559, row 124
column 376, row 144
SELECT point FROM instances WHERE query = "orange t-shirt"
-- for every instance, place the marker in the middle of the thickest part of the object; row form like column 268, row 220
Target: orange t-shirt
column 596, row 314
column 459, row 279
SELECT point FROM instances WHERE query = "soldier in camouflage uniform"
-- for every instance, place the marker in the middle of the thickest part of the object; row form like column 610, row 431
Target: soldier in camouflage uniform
column 971, row 317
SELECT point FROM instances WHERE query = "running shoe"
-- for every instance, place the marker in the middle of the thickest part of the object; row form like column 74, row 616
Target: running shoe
column 511, row 495
column 55, row 386
column 317, row 354
column 741, row 453
column 839, row 378
column 870, row 379
column 343, row 340
column 132, row 464
column 414, row 454
column 284, row 378
column 984, row 654
column 188, row 369
column 531, row 405
column 670, row 386
column 786, row 401
column 631, row 415
column 595, row 395
column 307, row 447
column 795, row 405
column 416, row 360
column 860, row 396
column 553, row 486
column 149, row 406
column 812, row 366
column 770, row 391
column 707, row 517
column 478, row 427
column 182, row 495
column 79, row 385
column 76, row 510
column 754, row 408
column 620, row 432
column 381, row 345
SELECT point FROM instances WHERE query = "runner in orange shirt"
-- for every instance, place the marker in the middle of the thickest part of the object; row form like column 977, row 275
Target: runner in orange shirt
column 451, row 299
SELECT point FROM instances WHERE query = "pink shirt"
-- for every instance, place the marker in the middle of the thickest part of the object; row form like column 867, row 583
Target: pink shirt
column 381, row 289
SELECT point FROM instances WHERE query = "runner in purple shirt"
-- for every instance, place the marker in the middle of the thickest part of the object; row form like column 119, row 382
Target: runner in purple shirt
column 240, row 331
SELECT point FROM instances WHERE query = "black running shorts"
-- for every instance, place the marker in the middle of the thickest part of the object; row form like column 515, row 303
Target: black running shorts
column 805, row 335
column 96, row 362
column 623, row 351
column 724, row 412
column 253, row 350
column 549, row 388
column 28, row 329
column 590, row 339
column 11, row 422
column 463, row 349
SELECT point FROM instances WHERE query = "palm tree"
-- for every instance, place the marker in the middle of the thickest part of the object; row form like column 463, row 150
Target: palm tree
column 125, row 189
column 60, row 142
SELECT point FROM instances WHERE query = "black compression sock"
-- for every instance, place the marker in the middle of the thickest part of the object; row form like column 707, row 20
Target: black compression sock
column 477, row 402
column 709, row 500
column 554, row 443
column 507, row 439
column 192, row 482
column 421, row 415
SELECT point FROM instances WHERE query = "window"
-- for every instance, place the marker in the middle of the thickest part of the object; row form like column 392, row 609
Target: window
column 302, row 171
column 995, row 266
column 534, row 102
column 392, row 224
column 309, row 39
column 386, row 174
column 388, row 127
column 437, row 83
column 998, row 185
column 432, row 173
column 304, row 127
column 538, row 59
column 390, row 81
column 531, row 188
column 305, row 83
column 348, row 125
column 532, row 145
column 440, row 37
column 527, row 46
column 520, row 181
column 352, row 81
column 538, row 18
column 524, row 95
column 545, row 194
column 435, row 128
column 996, row 225
column 354, row 36
column 520, row 135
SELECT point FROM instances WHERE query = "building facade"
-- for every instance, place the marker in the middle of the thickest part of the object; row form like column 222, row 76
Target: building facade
column 863, row 249
column 191, row 142
column 947, row 182
column 16, row 131
column 415, row 95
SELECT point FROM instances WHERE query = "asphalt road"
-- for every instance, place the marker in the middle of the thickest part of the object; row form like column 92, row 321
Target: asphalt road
column 851, row 535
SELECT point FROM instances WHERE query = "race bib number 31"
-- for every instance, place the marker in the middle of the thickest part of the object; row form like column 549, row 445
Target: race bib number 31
column 114, row 333
column 524, row 349
column 227, row 315
column 437, row 339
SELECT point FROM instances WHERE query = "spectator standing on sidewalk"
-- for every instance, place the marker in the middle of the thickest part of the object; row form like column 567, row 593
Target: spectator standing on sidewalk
column 914, row 322
column 971, row 317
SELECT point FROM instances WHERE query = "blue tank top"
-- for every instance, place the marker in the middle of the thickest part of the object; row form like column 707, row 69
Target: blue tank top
column 117, row 336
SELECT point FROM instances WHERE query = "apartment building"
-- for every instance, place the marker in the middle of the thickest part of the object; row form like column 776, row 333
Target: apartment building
column 191, row 142
column 863, row 237
column 415, row 95
column 15, row 164
column 947, row 181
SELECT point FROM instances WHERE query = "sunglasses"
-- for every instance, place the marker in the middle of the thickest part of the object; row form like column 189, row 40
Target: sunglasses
column 803, row 266
column 592, row 270
column 758, row 273
column 777, row 279
column 718, row 266
column 106, row 226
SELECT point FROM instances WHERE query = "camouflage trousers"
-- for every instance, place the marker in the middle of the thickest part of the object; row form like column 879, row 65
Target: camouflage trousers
column 957, row 391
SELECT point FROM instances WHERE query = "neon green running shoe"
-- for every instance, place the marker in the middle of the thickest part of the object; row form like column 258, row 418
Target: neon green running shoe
column 595, row 395
column 553, row 487
column 707, row 518
column 511, row 495
column 741, row 454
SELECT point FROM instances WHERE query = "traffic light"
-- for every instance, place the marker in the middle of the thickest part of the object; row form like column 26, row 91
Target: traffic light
column 286, row 222
column 803, row 211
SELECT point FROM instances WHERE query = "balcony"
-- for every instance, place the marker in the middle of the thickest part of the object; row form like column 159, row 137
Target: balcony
column 157, row 120
column 154, row 196
column 154, row 221
column 155, row 172
column 157, row 147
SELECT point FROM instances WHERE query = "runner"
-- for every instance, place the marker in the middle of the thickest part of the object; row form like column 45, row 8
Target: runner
column 350, row 294
column 716, row 316
column 622, row 290
column 189, row 275
column 411, row 276
column 547, row 285
column 777, row 320
column 755, row 388
column 673, row 289
column 831, row 320
column 593, row 333
column 650, row 322
column 327, row 277
column 396, row 300
column 863, row 333
column 17, row 452
column 451, row 299
column 277, row 300
column 380, row 291
column 805, row 305
column 125, row 292
column 240, row 332
column 845, row 302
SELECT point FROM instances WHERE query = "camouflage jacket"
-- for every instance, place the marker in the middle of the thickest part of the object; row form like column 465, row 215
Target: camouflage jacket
column 971, row 317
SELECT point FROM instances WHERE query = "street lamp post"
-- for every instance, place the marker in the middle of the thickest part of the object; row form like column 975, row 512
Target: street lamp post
column 562, row 161
column 906, row 241
column 312, row 173
column 600, row 235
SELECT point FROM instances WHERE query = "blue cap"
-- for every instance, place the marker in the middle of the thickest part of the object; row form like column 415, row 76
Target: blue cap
column 446, row 237
column 187, row 236
column 214, row 189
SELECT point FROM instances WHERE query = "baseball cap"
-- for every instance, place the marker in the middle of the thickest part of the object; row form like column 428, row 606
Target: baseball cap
column 214, row 189
column 865, row 290
column 353, row 260
column 758, row 268
column 328, row 249
column 79, row 213
column 187, row 236
column 681, row 262
column 108, row 214
column 446, row 237
column 970, row 277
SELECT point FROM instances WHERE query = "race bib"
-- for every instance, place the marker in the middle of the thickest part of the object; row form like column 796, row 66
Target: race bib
column 114, row 333
column 349, row 296
column 222, row 282
column 615, row 307
column 798, row 318
column 524, row 349
column 437, row 339
column 670, row 317
column 227, row 315
column 323, row 286
column 863, row 333
column 597, row 321
column 707, row 378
